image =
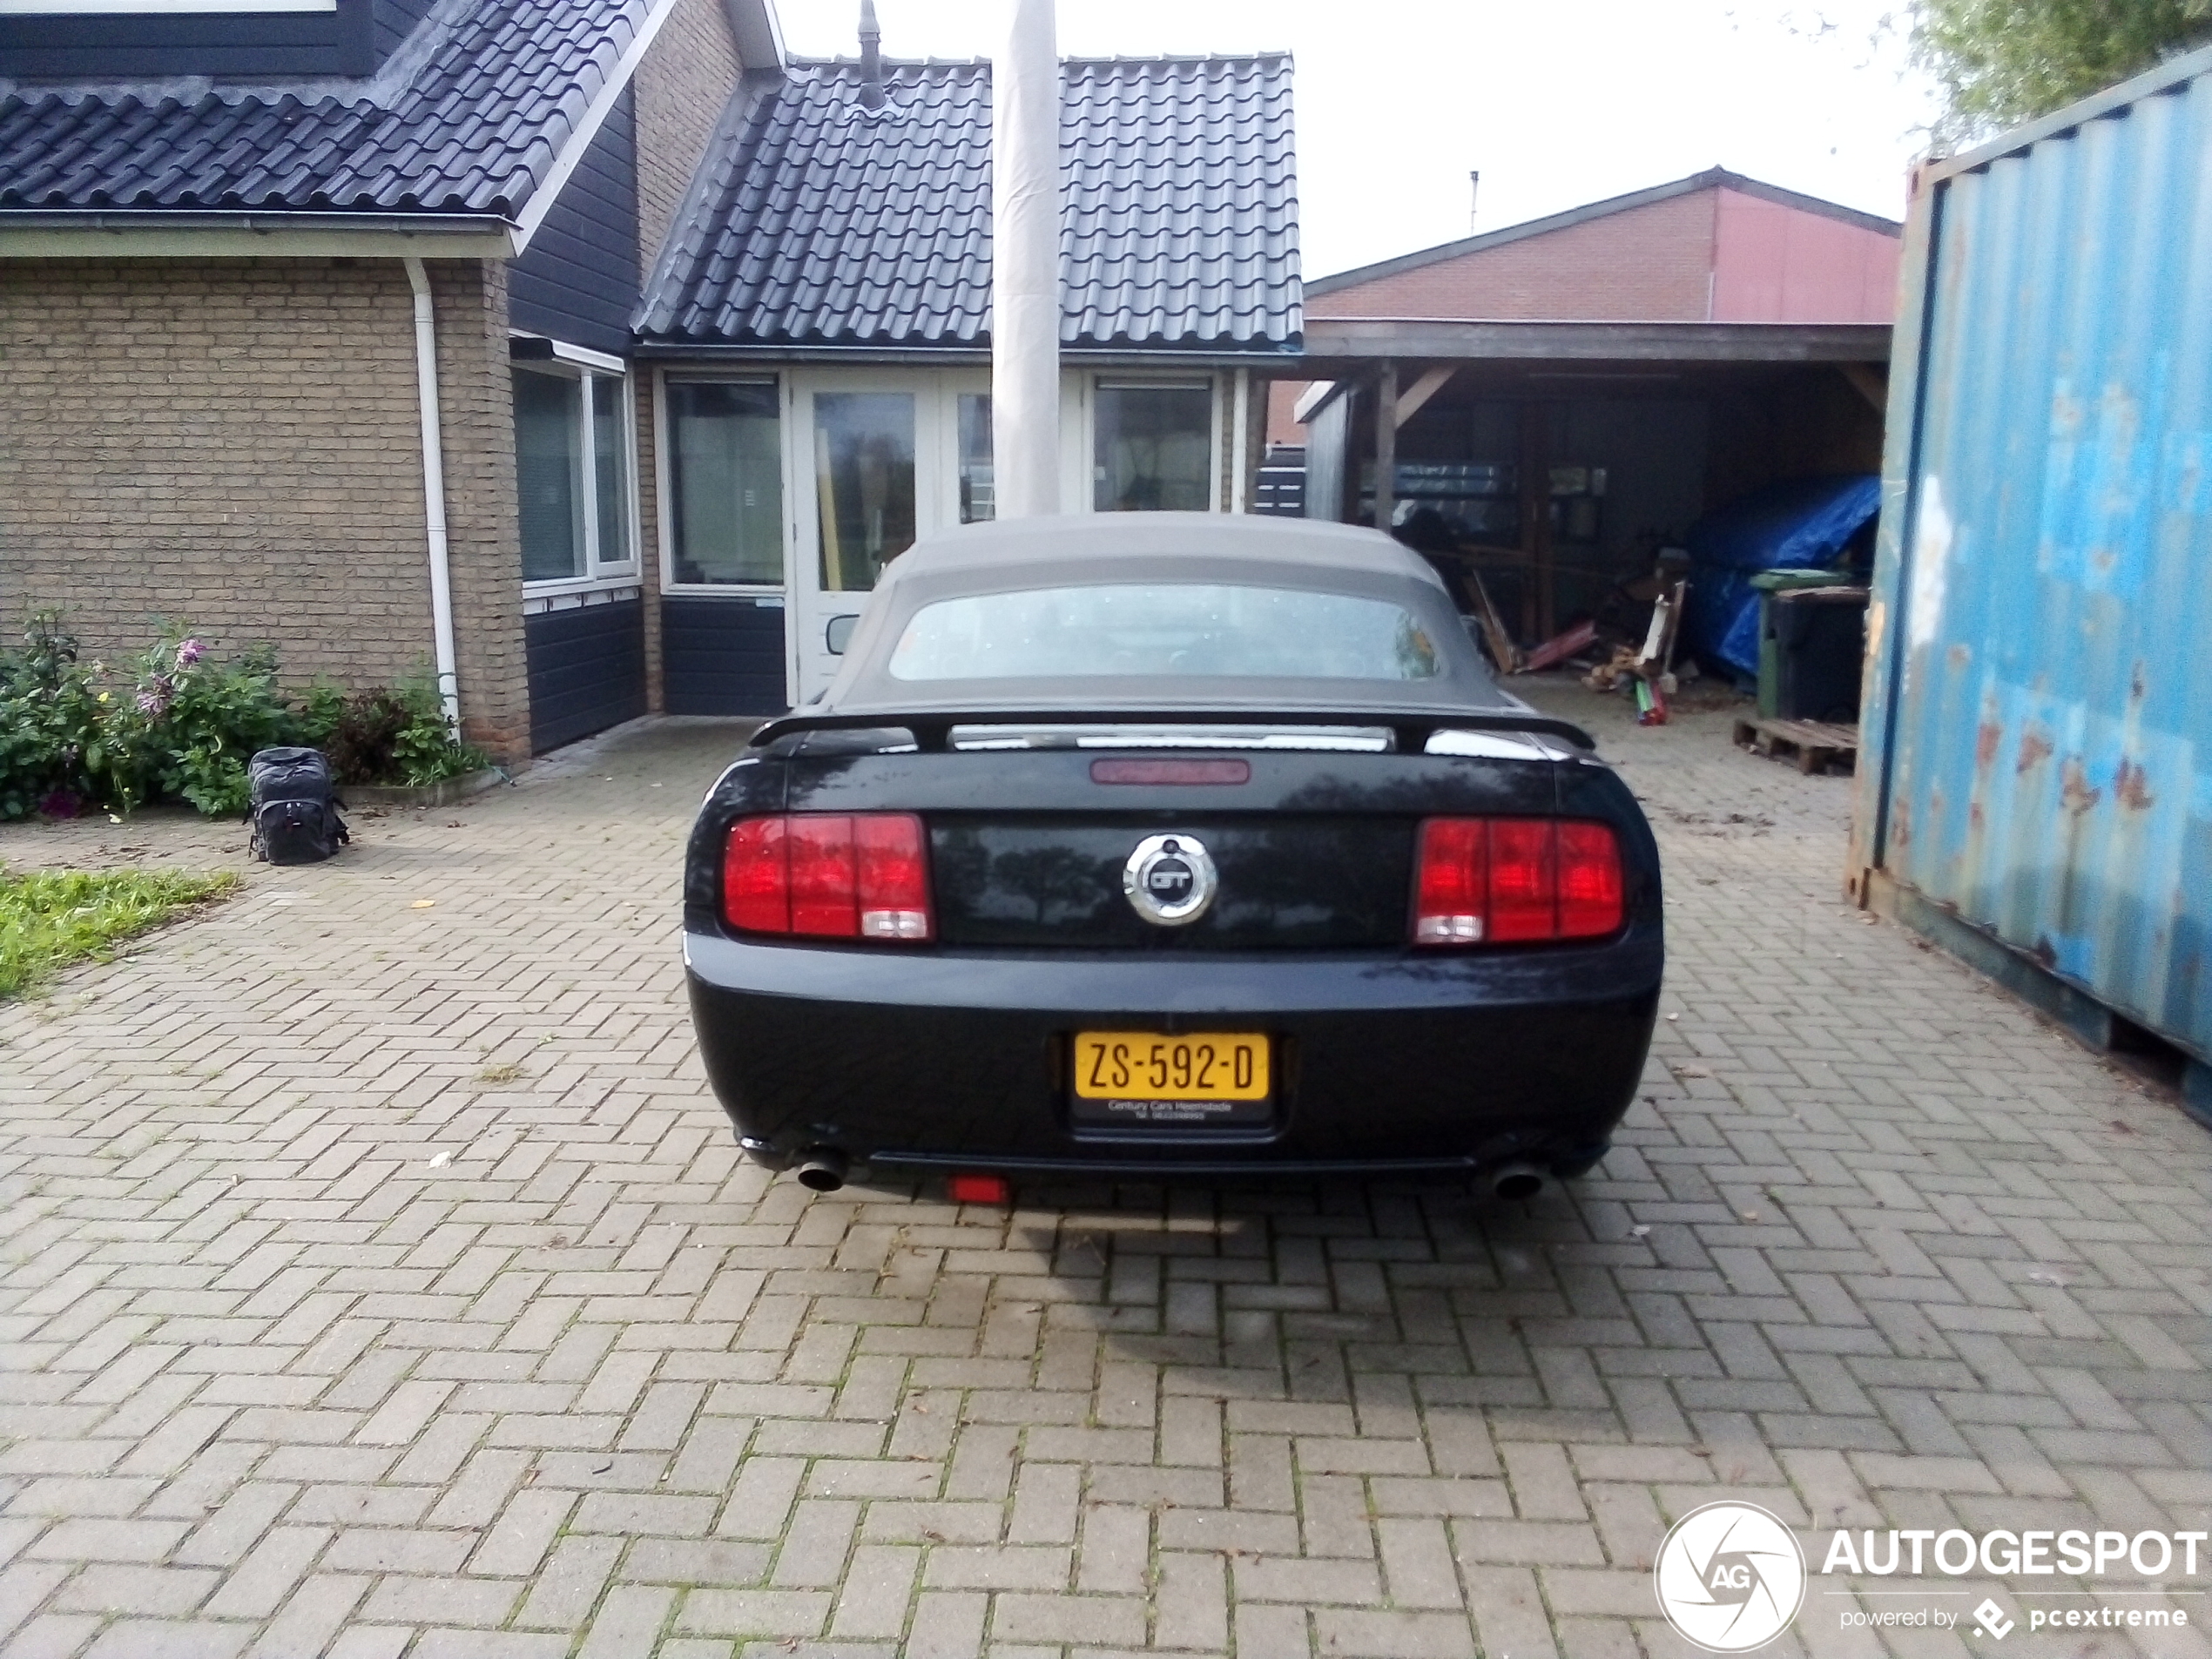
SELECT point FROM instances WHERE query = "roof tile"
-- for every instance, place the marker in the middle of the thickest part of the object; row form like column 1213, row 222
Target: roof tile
column 818, row 223
column 472, row 129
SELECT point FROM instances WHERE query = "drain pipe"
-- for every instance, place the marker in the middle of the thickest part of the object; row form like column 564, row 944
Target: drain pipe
column 434, row 492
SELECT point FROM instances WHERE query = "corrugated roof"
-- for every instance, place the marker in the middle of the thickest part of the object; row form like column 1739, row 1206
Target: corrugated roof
column 469, row 116
column 818, row 223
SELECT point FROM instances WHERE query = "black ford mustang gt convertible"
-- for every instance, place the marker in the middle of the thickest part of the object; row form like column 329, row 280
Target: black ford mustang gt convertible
column 1165, row 845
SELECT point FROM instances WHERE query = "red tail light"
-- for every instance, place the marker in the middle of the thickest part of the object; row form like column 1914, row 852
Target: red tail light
column 756, row 877
column 1524, row 880
column 1453, row 903
column 1590, row 902
column 894, row 878
column 828, row 875
column 1508, row 880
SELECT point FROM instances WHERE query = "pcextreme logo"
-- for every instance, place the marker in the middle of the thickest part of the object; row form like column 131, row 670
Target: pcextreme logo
column 1729, row 1576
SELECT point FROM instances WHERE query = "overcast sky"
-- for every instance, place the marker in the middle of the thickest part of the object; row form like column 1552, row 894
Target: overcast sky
column 1557, row 102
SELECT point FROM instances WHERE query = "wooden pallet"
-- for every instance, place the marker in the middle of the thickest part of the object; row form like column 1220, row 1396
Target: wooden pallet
column 1815, row 745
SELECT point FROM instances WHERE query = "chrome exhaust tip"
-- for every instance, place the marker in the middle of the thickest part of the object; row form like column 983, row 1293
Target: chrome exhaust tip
column 1516, row 1182
column 821, row 1169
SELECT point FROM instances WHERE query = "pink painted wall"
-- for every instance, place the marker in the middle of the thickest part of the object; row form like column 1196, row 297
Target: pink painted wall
column 1713, row 255
column 1777, row 264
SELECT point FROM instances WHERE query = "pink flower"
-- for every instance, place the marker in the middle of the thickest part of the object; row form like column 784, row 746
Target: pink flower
column 190, row 652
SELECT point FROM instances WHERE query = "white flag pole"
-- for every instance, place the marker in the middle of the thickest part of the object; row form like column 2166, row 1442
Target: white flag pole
column 1025, row 265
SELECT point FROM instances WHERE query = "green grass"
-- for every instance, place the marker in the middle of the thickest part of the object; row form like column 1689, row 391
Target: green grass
column 52, row 918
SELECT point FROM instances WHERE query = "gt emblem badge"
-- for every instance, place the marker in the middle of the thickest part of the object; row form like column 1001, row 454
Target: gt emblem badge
column 1168, row 880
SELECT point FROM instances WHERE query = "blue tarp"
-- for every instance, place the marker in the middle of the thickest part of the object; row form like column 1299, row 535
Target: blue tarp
column 1797, row 524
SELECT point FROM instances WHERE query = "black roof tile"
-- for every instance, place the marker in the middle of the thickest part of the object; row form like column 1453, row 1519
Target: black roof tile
column 466, row 118
column 817, row 223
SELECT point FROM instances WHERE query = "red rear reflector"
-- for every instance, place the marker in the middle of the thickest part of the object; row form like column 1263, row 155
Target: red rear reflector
column 1515, row 880
column 1170, row 772
column 979, row 1189
column 828, row 875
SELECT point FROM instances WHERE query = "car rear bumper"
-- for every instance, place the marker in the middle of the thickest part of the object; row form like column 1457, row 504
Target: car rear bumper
column 1410, row 1063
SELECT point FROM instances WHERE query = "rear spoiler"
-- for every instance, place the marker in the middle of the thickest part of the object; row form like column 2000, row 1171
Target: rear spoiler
column 933, row 728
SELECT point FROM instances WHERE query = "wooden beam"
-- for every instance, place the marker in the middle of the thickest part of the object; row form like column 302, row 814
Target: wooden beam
column 1540, row 605
column 1428, row 387
column 1316, row 393
column 1874, row 387
column 1386, row 447
column 1371, row 340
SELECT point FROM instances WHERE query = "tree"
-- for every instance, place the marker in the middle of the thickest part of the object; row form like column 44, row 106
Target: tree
column 2002, row 62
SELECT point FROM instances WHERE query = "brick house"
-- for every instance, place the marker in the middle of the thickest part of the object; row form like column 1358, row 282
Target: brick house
column 356, row 322
column 224, row 223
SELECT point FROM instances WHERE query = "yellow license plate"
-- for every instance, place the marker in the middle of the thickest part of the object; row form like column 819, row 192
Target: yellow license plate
column 1201, row 1065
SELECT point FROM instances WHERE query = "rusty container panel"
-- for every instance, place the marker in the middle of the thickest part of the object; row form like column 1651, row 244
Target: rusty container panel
column 2038, row 738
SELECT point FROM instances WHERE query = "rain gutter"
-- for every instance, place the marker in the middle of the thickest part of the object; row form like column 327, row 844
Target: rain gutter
column 138, row 233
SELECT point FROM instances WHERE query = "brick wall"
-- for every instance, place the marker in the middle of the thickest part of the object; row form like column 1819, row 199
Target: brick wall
column 1646, row 264
column 476, row 397
column 1650, row 264
column 235, row 444
column 1776, row 263
column 646, row 377
column 683, row 87
column 683, row 84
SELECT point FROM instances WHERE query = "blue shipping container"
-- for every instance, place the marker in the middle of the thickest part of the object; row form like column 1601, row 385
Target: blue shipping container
column 2038, row 733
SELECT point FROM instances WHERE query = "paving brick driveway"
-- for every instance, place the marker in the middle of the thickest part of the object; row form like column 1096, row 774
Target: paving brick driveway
column 380, row 1279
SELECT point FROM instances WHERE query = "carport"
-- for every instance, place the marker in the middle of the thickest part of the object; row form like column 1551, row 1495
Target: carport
column 1558, row 458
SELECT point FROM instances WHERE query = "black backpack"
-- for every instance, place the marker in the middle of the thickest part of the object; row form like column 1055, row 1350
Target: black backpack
column 294, row 813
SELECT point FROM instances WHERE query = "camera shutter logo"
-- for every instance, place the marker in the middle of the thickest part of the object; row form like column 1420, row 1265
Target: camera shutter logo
column 1730, row 1577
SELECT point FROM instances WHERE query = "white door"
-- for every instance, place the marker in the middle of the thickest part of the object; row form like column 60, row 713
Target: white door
column 877, row 458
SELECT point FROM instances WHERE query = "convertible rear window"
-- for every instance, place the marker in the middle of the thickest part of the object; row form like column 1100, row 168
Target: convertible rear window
column 1166, row 628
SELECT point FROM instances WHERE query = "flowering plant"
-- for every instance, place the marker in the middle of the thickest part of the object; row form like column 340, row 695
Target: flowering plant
column 200, row 721
column 73, row 735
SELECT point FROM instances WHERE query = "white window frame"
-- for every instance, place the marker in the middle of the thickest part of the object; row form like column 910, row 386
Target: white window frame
column 1095, row 381
column 936, row 392
column 575, row 363
column 665, row 477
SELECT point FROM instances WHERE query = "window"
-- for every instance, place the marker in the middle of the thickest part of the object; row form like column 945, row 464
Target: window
column 978, row 499
column 575, row 512
column 1170, row 630
column 1155, row 447
column 726, row 475
column 864, row 473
